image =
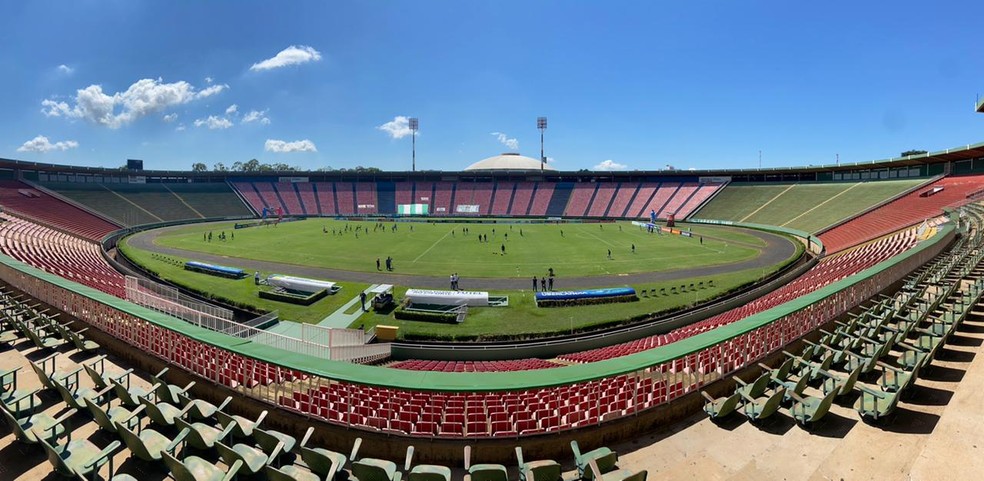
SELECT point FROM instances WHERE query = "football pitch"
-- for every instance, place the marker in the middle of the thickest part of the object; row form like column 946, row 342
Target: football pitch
column 472, row 250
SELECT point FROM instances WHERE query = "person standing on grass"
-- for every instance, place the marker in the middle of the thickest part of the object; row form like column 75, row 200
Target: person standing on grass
column 377, row 264
column 550, row 283
column 362, row 297
column 534, row 283
column 452, row 281
column 543, row 284
column 503, row 248
column 609, row 253
column 633, row 248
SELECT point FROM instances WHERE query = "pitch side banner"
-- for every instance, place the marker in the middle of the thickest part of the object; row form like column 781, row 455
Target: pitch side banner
column 448, row 298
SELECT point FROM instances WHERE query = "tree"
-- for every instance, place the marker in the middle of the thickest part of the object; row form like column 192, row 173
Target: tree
column 912, row 152
column 220, row 167
column 198, row 167
column 252, row 165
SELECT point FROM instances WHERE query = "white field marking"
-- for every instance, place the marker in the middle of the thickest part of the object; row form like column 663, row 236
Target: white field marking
column 821, row 204
column 422, row 254
column 767, row 203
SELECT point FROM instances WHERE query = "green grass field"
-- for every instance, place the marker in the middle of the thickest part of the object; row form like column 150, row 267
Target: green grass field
column 438, row 252
column 572, row 250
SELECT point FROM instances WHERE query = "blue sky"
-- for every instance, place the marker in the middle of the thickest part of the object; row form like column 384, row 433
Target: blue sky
column 625, row 85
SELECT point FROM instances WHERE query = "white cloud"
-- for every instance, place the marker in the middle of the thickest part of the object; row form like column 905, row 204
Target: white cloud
column 208, row 80
column 272, row 145
column 293, row 55
column 256, row 116
column 42, row 144
column 232, row 109
column 213, row 122
column 511, row 143
column 180, row 128
column 170, row 118
column 144, row 97
column 397, row 128
column 610, row 165
column 65, row 69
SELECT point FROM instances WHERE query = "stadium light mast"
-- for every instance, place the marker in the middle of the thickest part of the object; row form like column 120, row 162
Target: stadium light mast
column 541, row 123
column 414, row 126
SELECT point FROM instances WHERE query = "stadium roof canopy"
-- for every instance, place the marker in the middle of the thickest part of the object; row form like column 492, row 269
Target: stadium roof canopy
column 508, row 161
column 980, row 106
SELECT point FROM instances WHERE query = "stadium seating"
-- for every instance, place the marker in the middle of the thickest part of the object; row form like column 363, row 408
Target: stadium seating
column 51, row 211
column 680, row 196
column 541, row 198
column 366, row 201
column 475, row 366
column 620, row 203
column 900, row 213
column 289, row 198
column 639, row 208
column 503, row 198
column 580, row 199
column 309, row 201
column 326, row 198
column 602, row 199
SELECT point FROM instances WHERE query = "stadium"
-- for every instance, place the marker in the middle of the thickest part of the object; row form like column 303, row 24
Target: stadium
column 321, row 241
column 860, row 304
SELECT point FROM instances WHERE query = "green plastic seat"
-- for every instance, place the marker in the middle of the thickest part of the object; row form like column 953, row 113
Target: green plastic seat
column 757, row 409
column 606, row 460
column 79, row 458
column 425, row 472
column 161, row 413
column 251, row 458
column 540, row 470
column 875, row 405
column 715, row 408
column 894, row 379
column 75, row 398
column 795, row 387
column 243, row 427
column 843, row 386
column 129, row 396
column 193, row 468
column 780, row 373
column 168, row 393
column 96, row 369
column 756, row 389
column 146, row 444
column 200, row 409
column 323, row 462
column 201, row 436
column 483, row 472
column 372, row 469
column 105, row 418
column 267, row 440
column 290, row 473
column 26, row 429
column 807, row 411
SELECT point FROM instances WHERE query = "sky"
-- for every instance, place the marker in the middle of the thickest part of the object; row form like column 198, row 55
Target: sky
column 625, row 85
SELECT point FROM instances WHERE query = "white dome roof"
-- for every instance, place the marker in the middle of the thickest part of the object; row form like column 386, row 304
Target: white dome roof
column 508, row 161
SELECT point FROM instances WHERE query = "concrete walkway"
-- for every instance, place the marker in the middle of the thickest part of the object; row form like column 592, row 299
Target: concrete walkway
column 339, row 319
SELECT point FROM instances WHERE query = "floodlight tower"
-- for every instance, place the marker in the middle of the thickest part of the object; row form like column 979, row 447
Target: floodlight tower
column 414, row 126
column 541, row 124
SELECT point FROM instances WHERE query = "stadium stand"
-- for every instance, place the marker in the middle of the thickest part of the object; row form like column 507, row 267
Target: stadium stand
column 366, row 200
column 503, row 198
column 905, row 211
column 270, row 196
column 444, row 195
column 640, row 205
column 309, row 202
column 805, row 206
column 289, row 198
column 210, row 199
column 602, row 199
column 345, row 196
column 252, row 197
column 326, row 198
column 660, row 199
column 580, row 199
column 625, row 195
column 674, row 204
column 828, row 271
column 24, row 200
column 58, row 253
column 704, row 192
column 542, row 197
column 522, row 198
